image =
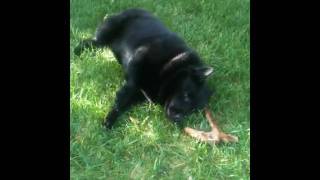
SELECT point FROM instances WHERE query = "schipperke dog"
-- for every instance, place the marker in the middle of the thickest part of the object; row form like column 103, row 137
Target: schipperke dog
column 158, row 65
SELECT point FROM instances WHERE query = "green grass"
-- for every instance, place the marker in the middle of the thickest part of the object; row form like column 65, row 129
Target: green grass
column 149, row 146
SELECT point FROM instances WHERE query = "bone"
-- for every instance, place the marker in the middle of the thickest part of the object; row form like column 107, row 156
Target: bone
column 214, row 136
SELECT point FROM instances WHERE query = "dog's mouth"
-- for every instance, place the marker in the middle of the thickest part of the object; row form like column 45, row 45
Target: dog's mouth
column 173, row 113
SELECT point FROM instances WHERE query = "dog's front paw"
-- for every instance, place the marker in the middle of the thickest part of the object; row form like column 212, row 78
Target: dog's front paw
column 107, row 125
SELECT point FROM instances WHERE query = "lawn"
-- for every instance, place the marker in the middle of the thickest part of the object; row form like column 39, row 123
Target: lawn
column 144, row 144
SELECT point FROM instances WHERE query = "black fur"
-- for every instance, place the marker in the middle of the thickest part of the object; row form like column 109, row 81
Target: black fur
column 159, row 66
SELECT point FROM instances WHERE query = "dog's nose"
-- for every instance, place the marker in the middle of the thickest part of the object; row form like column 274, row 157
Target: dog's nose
column 174, row 113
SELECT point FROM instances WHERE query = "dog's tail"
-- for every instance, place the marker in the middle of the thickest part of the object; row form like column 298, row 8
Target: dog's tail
column 109, row 29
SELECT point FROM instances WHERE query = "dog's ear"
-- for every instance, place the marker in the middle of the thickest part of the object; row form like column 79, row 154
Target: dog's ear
column 202, row 72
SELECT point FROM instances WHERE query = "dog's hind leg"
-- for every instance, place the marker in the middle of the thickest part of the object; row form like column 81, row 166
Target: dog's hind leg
column 109, row 30
column 103, row 36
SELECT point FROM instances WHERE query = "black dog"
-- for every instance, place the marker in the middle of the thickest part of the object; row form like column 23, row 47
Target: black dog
column 158, row 65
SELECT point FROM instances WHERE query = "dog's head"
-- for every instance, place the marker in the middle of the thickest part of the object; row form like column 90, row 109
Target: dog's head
column 188, row 93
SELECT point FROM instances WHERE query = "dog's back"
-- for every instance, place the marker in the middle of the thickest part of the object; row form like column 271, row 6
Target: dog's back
column 138, row 28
